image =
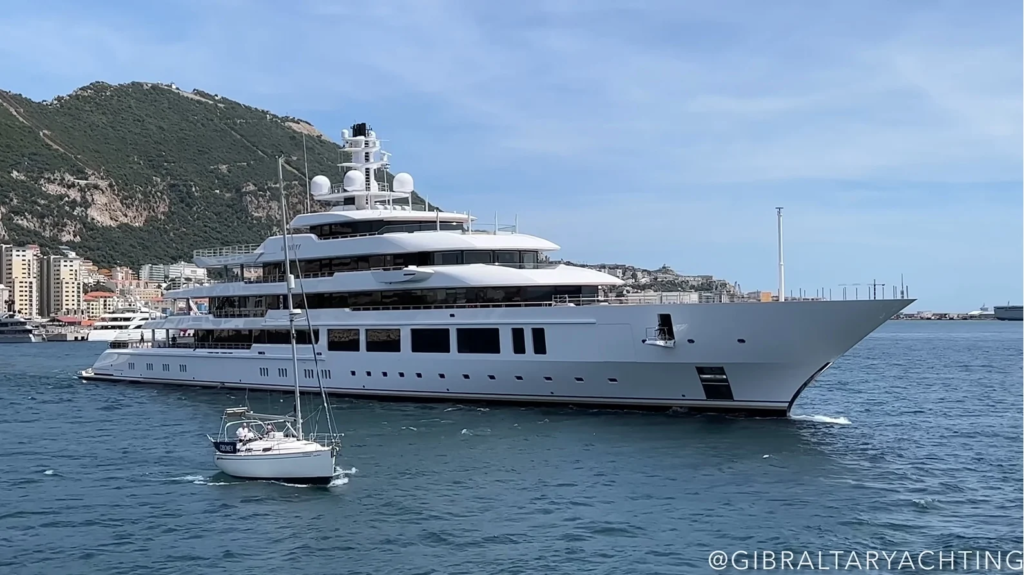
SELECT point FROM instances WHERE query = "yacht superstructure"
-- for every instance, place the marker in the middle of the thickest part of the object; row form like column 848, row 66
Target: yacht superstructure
column 16, row 329
column 124, row 323
column 423, row 304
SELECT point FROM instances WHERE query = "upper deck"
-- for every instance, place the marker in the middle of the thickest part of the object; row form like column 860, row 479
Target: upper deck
column 379, row 231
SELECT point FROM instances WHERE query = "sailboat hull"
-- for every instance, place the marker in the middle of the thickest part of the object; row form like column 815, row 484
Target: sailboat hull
column 311, row 467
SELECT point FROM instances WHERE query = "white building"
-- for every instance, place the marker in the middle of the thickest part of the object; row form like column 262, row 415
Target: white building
column 60, row 290
column 153, row 273
column 181, row 273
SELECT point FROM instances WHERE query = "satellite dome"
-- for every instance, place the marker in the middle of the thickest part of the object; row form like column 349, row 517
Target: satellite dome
column 320, row 186
column 402, row 183
column 354, row 181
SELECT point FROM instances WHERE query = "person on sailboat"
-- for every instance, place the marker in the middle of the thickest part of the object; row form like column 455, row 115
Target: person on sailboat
column 244, row 433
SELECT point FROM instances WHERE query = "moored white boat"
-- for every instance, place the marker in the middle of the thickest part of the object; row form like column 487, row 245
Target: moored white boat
column 16, row 329
column 124, row 324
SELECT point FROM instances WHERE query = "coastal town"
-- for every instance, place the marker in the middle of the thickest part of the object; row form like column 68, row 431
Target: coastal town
column 71, row 290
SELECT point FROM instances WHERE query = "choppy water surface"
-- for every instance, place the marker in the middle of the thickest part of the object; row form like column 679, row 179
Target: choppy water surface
column 911, row 441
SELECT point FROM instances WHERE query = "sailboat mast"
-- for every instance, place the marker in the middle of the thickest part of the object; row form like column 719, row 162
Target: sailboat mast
column 289, row 284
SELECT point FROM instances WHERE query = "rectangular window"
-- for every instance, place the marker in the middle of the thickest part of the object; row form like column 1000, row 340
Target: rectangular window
column 447, row 258
column 431, row 340
column 388, row 340
column 478, row 257
column 343, row 340
column 540, row 343
column 529, row 260
column 506, row 257
column 518, row 341
column 478, row 339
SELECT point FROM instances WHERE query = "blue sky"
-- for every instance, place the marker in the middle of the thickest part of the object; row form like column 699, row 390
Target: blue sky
column 641, row 132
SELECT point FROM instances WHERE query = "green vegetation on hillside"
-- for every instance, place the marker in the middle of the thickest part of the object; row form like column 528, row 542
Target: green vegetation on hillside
column 143, row 173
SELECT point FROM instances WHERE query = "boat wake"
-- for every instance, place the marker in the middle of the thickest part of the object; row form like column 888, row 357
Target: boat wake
column 821, row 419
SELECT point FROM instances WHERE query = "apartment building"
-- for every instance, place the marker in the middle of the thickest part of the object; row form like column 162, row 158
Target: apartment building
column 19, row 271
column 60, row 290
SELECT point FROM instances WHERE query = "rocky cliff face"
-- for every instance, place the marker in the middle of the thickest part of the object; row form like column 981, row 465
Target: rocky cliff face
column 139, row 173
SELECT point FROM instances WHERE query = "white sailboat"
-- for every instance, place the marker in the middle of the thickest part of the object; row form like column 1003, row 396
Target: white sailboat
column 250, row 446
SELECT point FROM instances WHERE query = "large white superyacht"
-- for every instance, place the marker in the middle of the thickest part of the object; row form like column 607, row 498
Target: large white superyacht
column 404, row 303
column 124, row 323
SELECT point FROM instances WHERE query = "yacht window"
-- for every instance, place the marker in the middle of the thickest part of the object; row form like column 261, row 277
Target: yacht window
column 302, row 337
column 387, row 340
column 518, row 341
column 506, row 257
column 478, row 257
column 343, row 264
column 529, row 259
column 343, row 340
column 540, row 343
column 478, row 340
column 447, row 258
column 431, row 340
column 309, row 267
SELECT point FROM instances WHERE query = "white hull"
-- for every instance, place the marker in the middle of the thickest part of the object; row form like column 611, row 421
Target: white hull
column 21, row 338
column 596, row 355
column 307, row 467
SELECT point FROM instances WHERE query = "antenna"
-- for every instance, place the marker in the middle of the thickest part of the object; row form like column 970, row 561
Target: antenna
column 782, row 270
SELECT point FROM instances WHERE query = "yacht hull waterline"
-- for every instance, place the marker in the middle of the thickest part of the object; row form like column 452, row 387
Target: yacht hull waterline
column 754, row 358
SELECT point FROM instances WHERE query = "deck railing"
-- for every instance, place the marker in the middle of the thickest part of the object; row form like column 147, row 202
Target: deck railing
column 238, row 313
column 241, row 250
column 163, row 344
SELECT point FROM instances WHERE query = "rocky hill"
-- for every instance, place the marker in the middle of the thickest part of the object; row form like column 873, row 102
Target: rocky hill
column 142, row 173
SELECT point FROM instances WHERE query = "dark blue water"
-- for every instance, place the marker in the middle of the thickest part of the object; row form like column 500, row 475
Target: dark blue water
column 912, row 441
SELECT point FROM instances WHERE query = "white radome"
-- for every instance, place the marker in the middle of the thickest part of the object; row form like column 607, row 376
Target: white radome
column 403, row 183
column 320, row 186
column 354, row 181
